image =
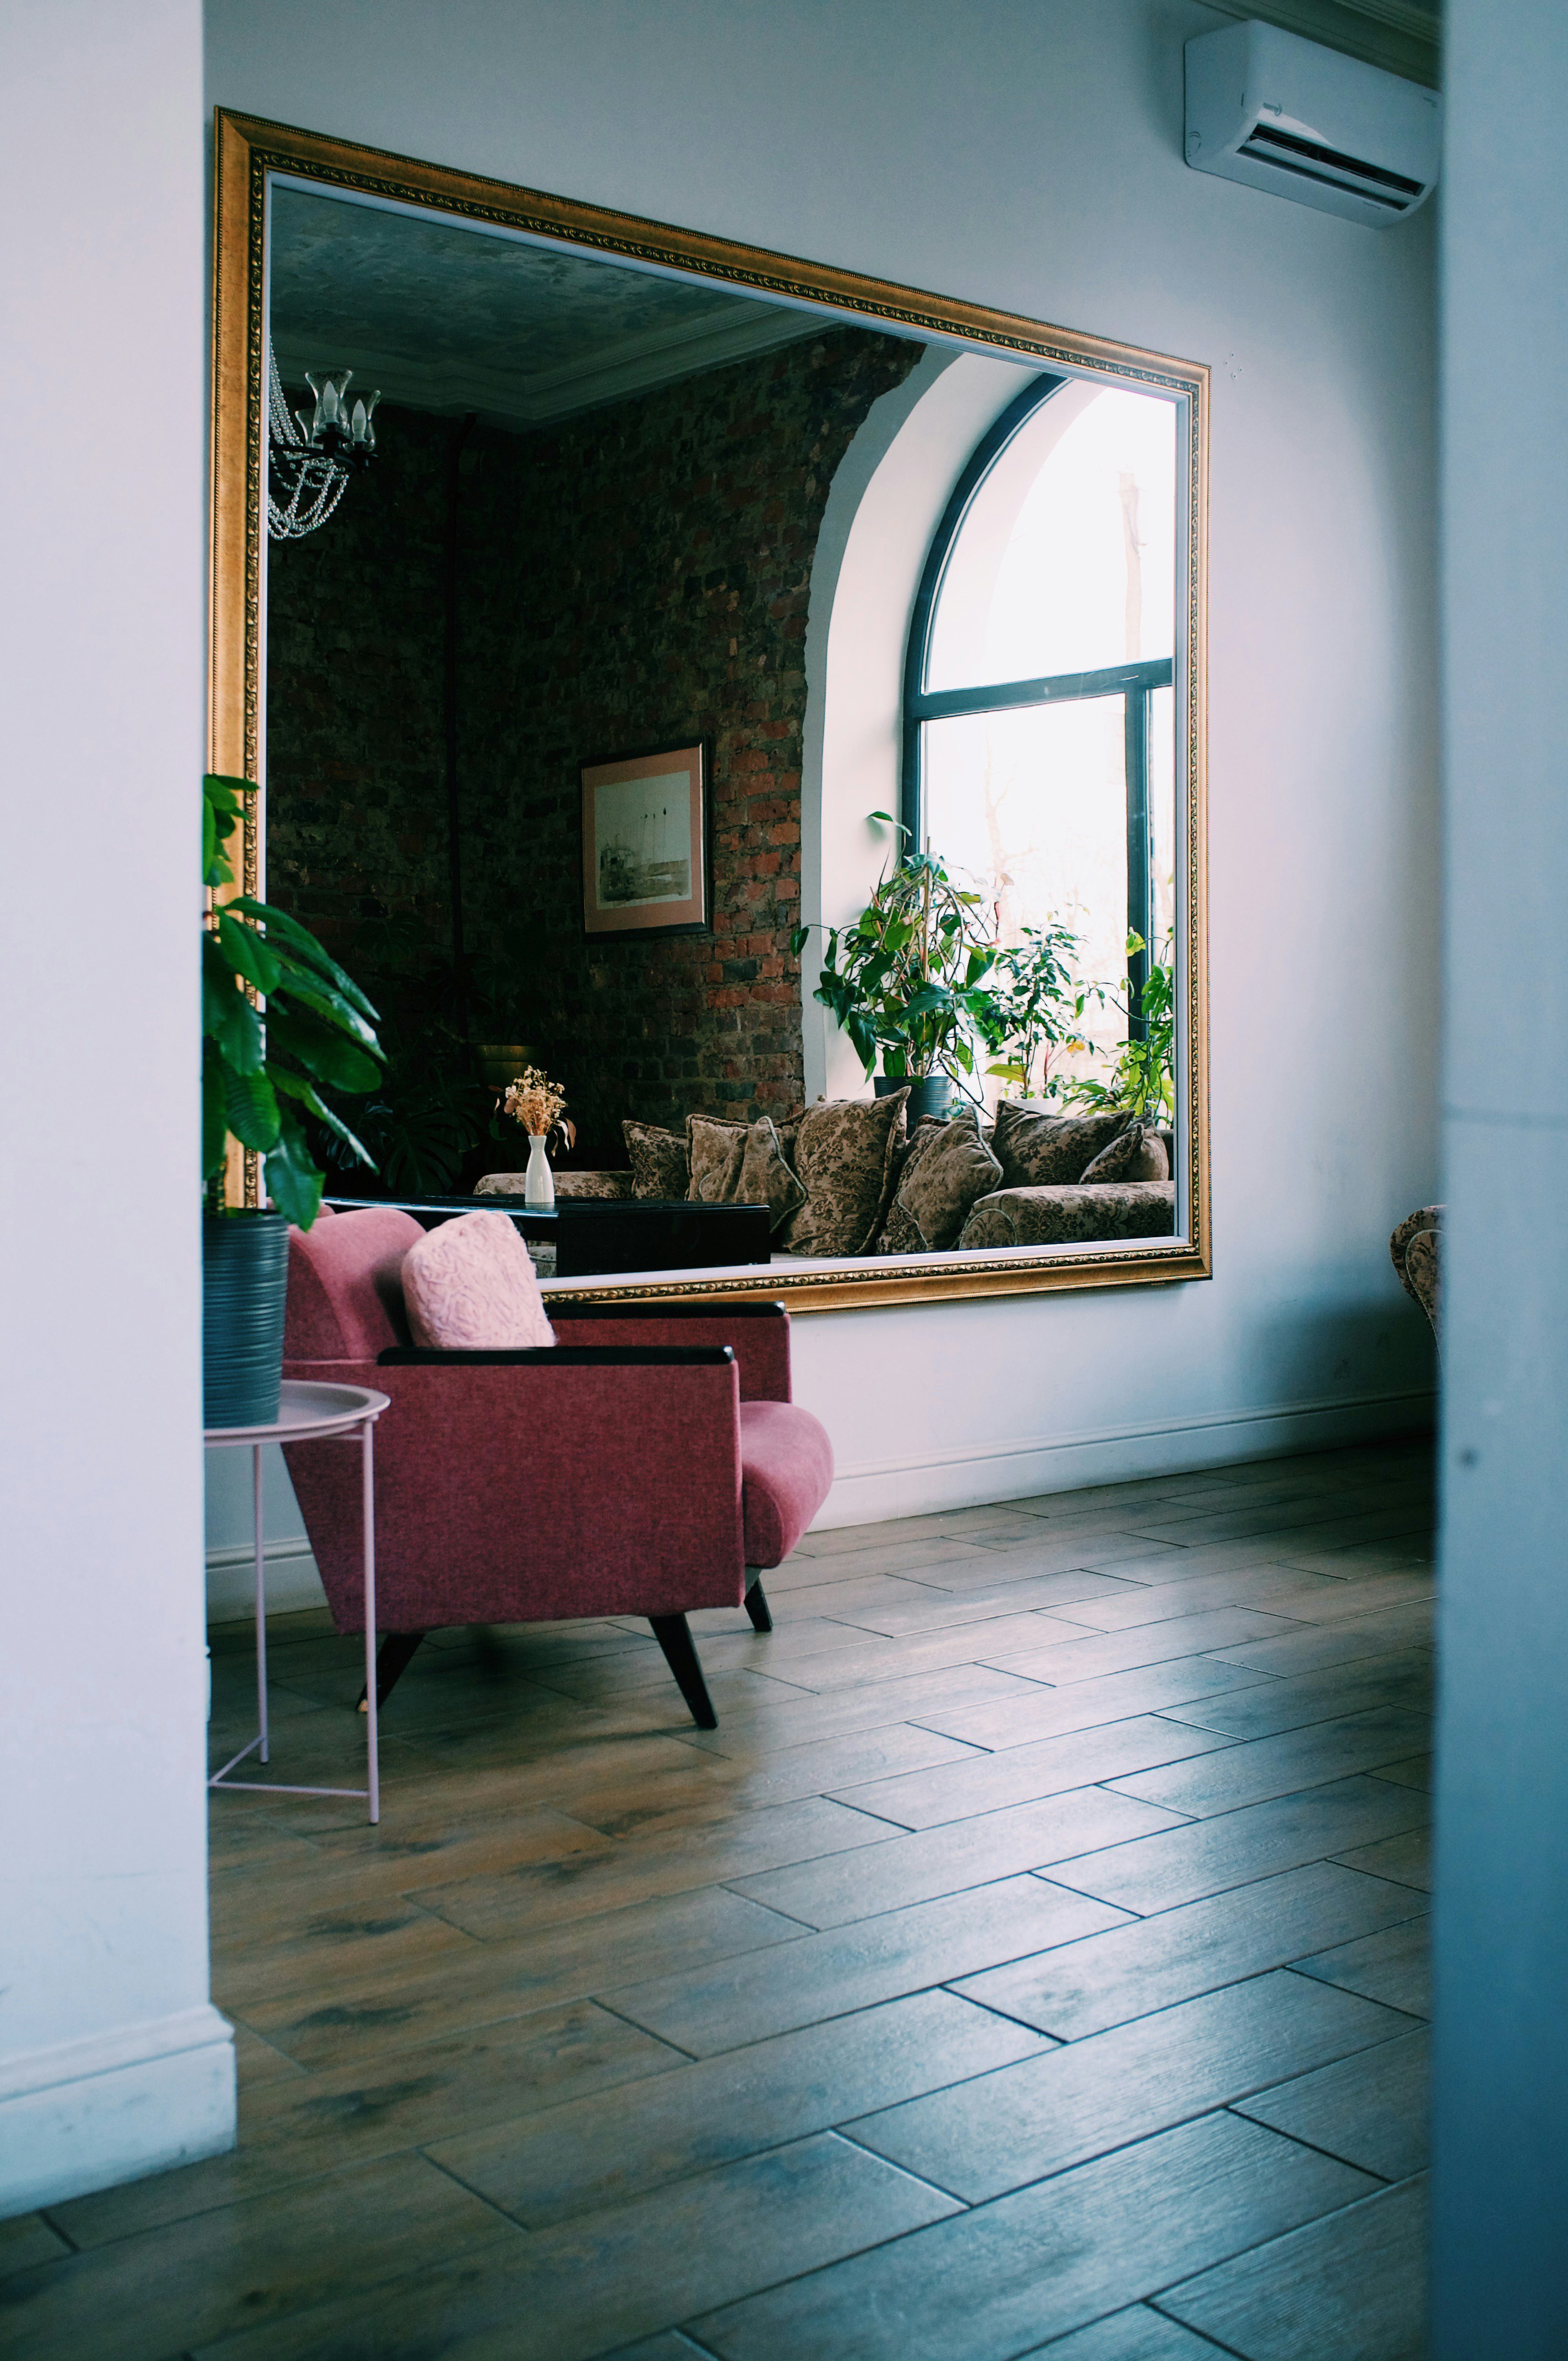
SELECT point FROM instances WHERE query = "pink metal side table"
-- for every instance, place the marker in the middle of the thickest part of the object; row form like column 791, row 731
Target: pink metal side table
column 311, row 1413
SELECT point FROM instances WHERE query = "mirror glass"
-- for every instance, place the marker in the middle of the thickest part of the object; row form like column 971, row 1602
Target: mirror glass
column 554, row 553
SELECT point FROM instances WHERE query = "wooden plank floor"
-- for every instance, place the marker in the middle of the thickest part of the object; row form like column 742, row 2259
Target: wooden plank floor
column 1033, row 1960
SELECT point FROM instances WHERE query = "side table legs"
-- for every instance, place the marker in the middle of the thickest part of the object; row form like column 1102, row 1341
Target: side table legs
column 372, row 1748
column 260, row 1602
column 371, row 1791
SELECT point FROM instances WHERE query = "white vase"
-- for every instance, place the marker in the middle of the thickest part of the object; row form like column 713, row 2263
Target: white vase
column 539, row 1189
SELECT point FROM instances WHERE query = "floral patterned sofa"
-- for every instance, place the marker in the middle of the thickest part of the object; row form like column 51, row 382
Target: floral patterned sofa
column 846, row 1177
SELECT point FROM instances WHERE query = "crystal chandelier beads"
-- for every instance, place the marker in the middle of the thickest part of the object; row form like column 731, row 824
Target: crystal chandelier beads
column 311, row 459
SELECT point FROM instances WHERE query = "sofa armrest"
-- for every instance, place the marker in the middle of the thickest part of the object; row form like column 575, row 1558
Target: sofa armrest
column 613, row 1187
column 757, row 1334
column 515, row 1488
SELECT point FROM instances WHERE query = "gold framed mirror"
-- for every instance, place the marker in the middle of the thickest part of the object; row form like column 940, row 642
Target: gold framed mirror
column 1008, row 393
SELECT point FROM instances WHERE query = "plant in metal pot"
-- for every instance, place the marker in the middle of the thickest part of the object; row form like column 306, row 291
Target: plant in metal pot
column 908, row 981
column 1038, row 1007
column 262, row 1078
column 1142, row 1076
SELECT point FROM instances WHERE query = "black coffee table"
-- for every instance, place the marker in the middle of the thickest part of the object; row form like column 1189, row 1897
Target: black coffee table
column 604, row 1237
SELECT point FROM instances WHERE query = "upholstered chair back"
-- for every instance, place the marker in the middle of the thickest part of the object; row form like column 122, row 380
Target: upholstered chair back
column 345, row 1293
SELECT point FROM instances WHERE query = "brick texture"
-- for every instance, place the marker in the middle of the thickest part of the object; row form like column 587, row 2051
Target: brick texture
column 636, row 578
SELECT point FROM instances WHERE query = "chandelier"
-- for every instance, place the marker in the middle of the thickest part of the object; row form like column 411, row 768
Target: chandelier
column 312, row 459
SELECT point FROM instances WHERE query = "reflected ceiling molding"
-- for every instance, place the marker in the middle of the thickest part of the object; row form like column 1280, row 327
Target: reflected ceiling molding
column 524, row 399
column 1401, row 36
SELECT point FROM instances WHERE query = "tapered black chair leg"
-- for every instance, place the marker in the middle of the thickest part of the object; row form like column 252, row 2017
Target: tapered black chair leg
column 391, row 1662
column 757, row 1606
column 674, row 1635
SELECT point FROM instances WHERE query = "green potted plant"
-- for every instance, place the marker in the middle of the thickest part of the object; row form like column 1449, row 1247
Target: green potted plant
column 261, row 1079
column 1143, row 1074
column 1038, row 1007
column 908, row 981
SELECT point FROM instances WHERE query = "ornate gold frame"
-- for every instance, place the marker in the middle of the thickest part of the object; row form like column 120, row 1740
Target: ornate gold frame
column 245, row 151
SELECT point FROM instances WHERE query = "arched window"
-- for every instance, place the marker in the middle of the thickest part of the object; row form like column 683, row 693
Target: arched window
column 1038, row 706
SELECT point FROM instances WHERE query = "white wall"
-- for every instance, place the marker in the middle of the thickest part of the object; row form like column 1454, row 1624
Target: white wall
column 1028, row 155
column 112, row 2062
column 1500, row 2229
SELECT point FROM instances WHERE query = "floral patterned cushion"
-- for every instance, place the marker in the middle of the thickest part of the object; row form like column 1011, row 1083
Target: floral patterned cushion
column 1135, row 1154
column 658, row 1160
column 844, row 1159
column 714, row 1152
column 1038, row 1146
column 899, row 1234
column 1415, row 1247
column 938, row 1187
column 766, row 1178
column 1423, row 1274
column 1073, row 1216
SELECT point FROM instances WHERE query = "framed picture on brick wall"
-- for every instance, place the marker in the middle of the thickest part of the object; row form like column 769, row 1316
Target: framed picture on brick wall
column 647, row 843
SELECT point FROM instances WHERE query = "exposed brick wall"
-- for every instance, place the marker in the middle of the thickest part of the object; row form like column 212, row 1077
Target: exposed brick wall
column 356, row 797
column 636, row 578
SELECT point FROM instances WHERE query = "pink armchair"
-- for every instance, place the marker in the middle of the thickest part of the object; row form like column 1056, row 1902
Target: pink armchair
column 649, row 1463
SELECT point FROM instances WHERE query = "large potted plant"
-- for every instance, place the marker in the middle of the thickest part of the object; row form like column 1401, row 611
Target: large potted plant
column 1036, row 1009
column 908, row 981
column 1143, row 1074
column 261, row 1077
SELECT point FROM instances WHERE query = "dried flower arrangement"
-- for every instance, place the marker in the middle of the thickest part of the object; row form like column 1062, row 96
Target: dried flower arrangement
column 536, row 1102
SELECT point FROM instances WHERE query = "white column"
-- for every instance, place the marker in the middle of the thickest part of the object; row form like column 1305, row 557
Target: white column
column 1500, row 2239
column 113, row 2062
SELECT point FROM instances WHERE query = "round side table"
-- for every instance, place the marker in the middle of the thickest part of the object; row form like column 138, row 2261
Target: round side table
column 311, row 1413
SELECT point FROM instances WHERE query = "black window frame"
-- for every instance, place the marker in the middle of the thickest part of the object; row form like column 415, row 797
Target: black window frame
column 1135, row 683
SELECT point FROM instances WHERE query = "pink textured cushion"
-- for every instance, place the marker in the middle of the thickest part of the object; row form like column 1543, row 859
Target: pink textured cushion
column 469, row 1287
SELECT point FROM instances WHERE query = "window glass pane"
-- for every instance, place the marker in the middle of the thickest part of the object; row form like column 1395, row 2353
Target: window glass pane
column 1031, row 806
column 1162, row 820
column 1067, row 559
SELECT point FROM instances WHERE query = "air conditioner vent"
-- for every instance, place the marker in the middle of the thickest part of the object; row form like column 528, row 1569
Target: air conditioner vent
column 1286, row 116
column 1287, row 153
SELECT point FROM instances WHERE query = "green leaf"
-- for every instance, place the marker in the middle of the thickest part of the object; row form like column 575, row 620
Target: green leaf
column 245, row 952
column 929, row 998
column 293, row 1181
column 797, row 941
column 291, row 936
column 320, row 1050
column 223, row 803
column 227, row 1017
column 250, row 1108
column 297, row 984
column 215, row 1117
column 293, row 1087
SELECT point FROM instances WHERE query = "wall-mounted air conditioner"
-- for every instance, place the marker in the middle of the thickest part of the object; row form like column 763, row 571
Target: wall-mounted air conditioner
column 1288, row 115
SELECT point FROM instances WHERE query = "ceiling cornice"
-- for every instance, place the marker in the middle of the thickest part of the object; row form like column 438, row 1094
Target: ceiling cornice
column 1399, row 35
column 519, row 399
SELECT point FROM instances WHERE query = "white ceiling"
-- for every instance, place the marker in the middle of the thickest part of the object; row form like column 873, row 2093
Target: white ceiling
column 446, row 317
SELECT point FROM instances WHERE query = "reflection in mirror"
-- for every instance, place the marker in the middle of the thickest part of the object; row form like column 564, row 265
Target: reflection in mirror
column 559, row 587
column 1040, row 765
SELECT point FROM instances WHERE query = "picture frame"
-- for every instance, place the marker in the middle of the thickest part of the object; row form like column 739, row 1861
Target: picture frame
column 648, row 841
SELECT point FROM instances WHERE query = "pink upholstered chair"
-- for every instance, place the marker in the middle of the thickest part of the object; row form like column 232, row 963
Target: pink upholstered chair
column 649, row 1463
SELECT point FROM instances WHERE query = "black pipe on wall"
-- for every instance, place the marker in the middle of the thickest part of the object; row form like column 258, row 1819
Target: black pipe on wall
column 449, row 700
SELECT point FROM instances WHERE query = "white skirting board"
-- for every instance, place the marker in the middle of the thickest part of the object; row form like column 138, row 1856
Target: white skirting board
column 293, row 1581
column 1009, row 1469
column 91, row 2113
column 1013, row 1469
